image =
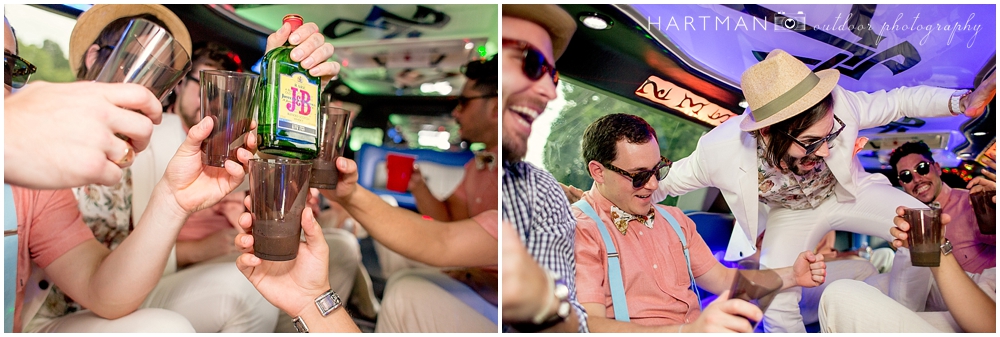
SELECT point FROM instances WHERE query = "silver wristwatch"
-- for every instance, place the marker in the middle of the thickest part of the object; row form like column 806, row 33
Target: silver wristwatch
column 326, row 303
column 955, row 103
column 946, row 247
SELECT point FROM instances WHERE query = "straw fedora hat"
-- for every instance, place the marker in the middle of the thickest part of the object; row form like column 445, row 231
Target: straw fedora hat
column 90, row 24
column 553, row 18
column 780, row 87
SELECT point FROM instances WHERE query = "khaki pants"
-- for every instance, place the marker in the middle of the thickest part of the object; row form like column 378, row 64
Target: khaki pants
column 427, row 300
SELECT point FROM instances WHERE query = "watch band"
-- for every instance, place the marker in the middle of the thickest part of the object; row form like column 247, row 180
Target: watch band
column 299, row 325
column 559, row 292
column 955, row 103
column 946, row 247
column 326, row 303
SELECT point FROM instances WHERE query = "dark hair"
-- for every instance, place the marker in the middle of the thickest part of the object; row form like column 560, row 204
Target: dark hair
column 917, row 147
column 485, row 74
column 107, row 40
column 778, row 146
column 216, row 55
column 602, row 136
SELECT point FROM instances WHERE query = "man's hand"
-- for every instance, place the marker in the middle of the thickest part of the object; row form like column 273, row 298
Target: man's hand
column 901, row 231
column 524, row 282
column 726, row 315
column 196, row 186
column 289, row 285
column 218, row 244
column 311, row 49
column 988, row 182
column 976, row 102
column 416, row 179
column 809, row 269
column 52, row 144
column 347, row 182
column 573, row 194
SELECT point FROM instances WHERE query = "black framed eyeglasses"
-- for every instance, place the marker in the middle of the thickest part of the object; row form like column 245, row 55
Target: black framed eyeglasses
column 464, row 100
column 812, row 147
column 533, row 61
column 640, row 178
column 906, row 176
column 16, row 70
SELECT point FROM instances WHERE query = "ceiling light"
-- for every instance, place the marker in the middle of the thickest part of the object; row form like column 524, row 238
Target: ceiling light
column 979, row 134
column 596, row 21
column 744, row 104
column 469, row 45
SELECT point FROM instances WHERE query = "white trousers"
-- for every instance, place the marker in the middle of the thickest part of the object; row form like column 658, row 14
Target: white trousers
column 854, row 306
column 790, row 232
column 835, row 270
column 427, row 300
column 141, row 321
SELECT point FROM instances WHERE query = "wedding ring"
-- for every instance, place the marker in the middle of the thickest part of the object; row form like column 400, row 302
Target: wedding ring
column 126, row 159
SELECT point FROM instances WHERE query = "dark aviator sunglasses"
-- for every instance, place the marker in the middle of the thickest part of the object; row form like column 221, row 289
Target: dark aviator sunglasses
column 533, row 62
column 813, row 146
column 906, row 176
column 640, row 178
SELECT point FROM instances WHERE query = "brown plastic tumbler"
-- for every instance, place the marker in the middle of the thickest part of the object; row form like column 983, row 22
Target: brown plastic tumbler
column 925, row 236
column 754, row 285
column 279, row 189
column 334, row 128
column 228, row 97
column 986, row 211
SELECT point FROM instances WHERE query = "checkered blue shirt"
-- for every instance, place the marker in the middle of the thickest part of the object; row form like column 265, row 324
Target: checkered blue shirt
column 535, row 203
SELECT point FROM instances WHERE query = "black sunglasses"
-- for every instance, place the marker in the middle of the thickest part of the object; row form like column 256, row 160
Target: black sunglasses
column 463, row 100
column 191, row 78
column 533, row 61
column 16, row 70
column 812, row 147
column 640, row 178
column 906, row 176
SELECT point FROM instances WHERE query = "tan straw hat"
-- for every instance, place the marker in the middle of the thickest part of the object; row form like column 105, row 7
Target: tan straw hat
column 553, row 18
column 90, row 24
column 780, row 87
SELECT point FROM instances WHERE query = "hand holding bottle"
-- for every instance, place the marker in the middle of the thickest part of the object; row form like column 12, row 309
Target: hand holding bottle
column 311, row 49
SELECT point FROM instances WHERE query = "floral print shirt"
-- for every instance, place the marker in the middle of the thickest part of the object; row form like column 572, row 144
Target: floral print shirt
column 107, row 210
column 792, row 191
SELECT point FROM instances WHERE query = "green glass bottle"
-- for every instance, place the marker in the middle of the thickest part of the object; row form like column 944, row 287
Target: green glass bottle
column 288, row 120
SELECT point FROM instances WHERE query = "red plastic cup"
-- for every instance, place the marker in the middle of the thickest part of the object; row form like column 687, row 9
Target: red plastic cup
column 399, row 168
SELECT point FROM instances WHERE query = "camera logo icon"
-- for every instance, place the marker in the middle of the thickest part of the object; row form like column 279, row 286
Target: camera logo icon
column 793, row 23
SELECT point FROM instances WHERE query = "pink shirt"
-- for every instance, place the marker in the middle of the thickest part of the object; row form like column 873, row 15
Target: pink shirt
column 49, row 224
column 975, row 251
column 654, row 270
column 479, row 186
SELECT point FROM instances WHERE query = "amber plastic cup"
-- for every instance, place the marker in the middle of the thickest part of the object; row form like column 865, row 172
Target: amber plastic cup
column 925, row 236
column 335, row 125
column 279, row 189
column 986, row 211
column 228, row 98
column 147, row 55
column 399, row 168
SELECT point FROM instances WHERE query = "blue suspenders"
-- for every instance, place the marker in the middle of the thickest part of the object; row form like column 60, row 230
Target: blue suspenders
column 614, row 266
column 9, row 258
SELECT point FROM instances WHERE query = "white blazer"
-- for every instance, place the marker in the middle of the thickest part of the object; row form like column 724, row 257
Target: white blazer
column 726, row 157
column 149, row 166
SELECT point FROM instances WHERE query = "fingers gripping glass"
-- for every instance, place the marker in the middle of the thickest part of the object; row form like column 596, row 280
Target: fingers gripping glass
column 533, row 61
column 16, row 70
column 640, row 178
column 906, row 176
column 812, row 147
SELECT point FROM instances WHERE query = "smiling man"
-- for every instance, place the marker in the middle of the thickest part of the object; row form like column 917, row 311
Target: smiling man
column 788, row 163
column 920, row 176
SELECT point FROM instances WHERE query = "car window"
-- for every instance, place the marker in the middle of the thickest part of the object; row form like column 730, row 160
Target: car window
column 560, row 128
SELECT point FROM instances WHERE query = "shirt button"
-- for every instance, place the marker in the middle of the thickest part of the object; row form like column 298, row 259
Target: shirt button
column 479, row 200
column 654, row 266
column 640, row 232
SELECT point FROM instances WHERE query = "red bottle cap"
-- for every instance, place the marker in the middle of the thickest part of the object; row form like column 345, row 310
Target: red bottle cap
column 294, row 20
